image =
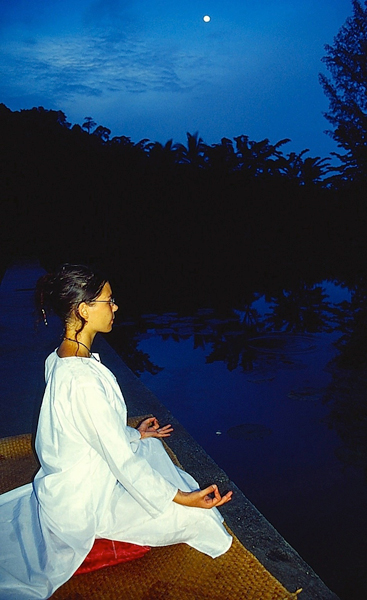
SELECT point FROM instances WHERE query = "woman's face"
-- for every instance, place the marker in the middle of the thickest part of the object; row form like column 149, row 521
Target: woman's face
column 101, row 312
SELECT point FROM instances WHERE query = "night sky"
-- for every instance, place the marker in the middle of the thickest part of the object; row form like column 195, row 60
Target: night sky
column 155, row 69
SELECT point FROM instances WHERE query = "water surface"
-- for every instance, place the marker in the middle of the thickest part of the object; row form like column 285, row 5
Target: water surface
column 269, row 391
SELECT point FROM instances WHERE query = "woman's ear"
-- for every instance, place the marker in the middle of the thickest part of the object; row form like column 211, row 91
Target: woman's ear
column 83, row 310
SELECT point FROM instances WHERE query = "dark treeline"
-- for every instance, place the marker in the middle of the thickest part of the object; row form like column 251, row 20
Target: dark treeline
column 176, row 224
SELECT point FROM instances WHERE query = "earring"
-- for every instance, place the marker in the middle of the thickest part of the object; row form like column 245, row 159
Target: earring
column 44, row 316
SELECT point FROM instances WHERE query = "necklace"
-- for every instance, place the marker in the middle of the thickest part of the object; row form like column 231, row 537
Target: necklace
column 81, row 343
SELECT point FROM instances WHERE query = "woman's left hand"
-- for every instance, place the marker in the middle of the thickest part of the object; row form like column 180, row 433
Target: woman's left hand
column 207, row 498
column 150, row 428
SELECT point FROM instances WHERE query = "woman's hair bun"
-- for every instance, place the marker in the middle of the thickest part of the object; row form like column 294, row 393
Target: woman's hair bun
column 64, row 290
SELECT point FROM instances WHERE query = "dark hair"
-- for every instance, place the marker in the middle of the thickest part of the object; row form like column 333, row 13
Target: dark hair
column 64, row 290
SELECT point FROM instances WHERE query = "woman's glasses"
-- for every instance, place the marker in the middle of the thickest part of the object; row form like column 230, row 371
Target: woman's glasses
column 111, row 301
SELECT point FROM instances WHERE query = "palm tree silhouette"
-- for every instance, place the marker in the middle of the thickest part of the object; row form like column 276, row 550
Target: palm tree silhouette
column 258, row 157
column 88, row 124
column 195, row 153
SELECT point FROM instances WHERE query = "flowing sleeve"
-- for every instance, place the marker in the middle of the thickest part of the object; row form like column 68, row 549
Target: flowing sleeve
column 104, row 429
column 133, row 435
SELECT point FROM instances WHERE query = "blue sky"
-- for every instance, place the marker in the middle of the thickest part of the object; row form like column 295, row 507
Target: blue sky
column 154, row 69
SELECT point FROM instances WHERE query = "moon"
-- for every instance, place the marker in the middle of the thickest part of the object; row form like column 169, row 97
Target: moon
column 206, row 18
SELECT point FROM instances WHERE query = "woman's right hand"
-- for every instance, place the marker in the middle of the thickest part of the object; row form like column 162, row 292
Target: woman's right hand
column 207, row 498
column 150, row 428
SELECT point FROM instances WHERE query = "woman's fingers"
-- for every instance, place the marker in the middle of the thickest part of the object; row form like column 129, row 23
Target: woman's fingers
column 166, row 430
column 226, row 498
column 152, row 423
column 155, row 431
column 203, row 498
column 218, row 500
column 149, row 423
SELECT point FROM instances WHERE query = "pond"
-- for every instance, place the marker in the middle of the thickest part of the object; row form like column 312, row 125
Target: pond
column 275, row 391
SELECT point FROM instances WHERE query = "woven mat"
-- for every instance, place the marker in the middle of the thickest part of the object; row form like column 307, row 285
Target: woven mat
column 170, row 573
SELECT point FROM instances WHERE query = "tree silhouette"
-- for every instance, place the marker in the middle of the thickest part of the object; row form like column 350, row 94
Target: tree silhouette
column 222, row 157
column 88, row 124
column 308, row 171
column 257, row 157
column 164, row 156
column 195, row 153
column 187, row 225
column 103, row 133
column 346, row 90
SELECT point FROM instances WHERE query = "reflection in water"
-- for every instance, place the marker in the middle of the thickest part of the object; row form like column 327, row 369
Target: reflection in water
column 283, row 379
column 304, row 308
column 285, row 344
column 282, row 328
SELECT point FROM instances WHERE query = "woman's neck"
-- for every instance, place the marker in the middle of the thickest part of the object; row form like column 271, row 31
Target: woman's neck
column 76, row 344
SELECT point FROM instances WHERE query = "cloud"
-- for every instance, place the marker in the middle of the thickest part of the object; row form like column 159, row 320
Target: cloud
column 92, row 65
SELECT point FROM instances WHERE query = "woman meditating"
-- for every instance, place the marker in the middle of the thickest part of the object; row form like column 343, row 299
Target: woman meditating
column 99, row 478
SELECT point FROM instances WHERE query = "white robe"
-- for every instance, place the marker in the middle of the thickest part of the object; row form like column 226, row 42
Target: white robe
column 98, row 478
